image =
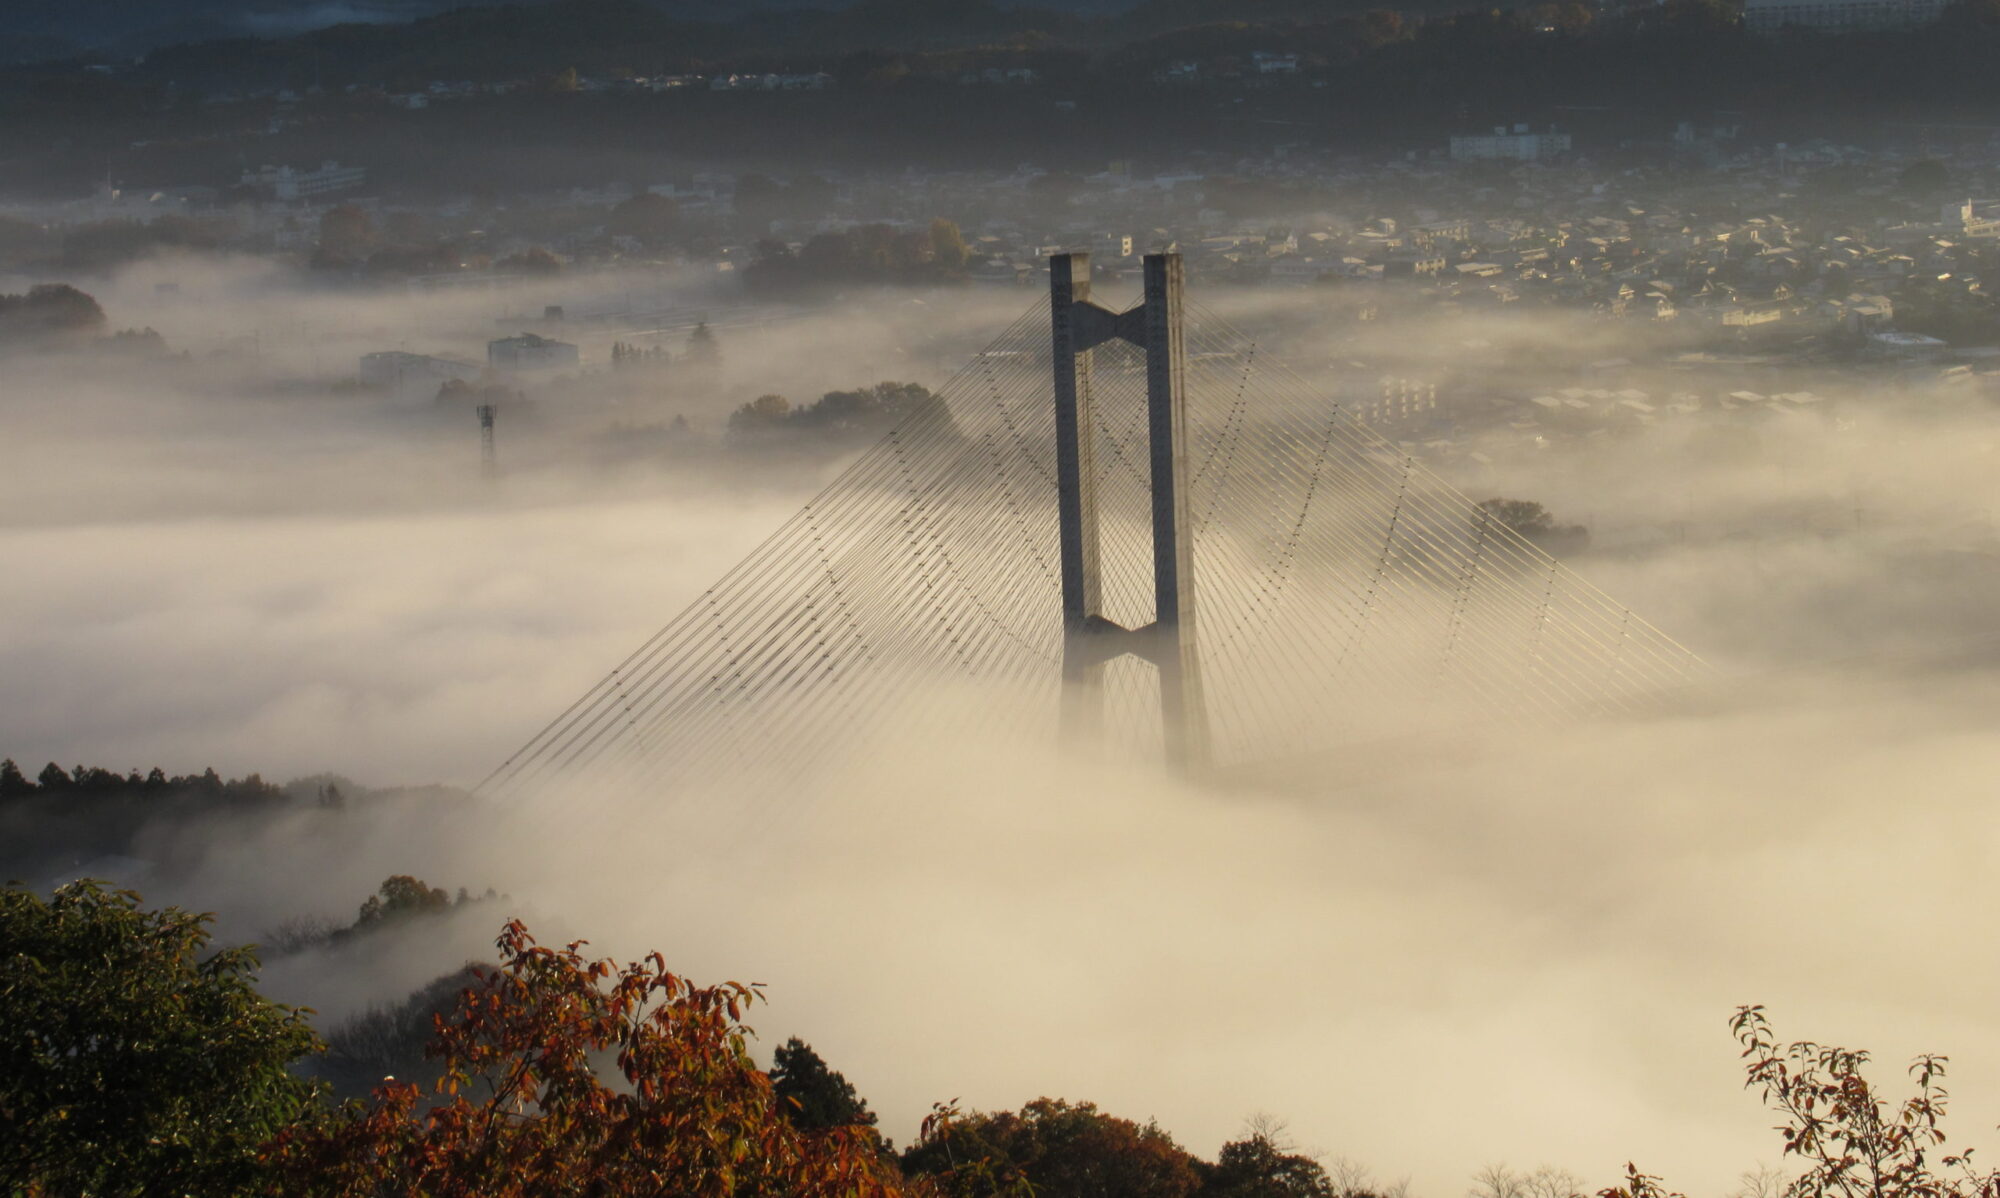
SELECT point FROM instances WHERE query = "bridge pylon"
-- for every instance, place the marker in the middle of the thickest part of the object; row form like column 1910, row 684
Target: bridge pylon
column 1090, row 641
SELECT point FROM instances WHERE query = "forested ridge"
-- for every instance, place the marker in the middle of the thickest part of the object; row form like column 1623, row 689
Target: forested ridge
column 1417, row 61
column 137, row 1057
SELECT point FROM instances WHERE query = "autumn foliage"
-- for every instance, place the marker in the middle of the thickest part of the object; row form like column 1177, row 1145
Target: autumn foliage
column 135, row 1061
column 564, row 1075
column 1850, row 1140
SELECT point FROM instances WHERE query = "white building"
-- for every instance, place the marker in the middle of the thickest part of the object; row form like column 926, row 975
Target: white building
column 1503, row 146
column 530, row 352
column 1961, row 220
column 1271, row 63
column 285, row 183
column 1839, row 16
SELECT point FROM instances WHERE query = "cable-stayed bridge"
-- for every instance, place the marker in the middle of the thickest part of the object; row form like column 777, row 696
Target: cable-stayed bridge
column 1130, row 525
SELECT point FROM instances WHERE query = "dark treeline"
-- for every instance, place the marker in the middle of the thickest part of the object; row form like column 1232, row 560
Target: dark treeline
column 670, row 31
column 95, row 782
column 400, row 900
column 58, row 821
column 64, row 818
column 836, row 420
column 1368, row 78
column 48, row 312
column 56, row 317
column 1345, row 48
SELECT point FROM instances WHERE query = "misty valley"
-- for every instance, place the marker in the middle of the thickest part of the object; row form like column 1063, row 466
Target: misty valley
column 1132, row 599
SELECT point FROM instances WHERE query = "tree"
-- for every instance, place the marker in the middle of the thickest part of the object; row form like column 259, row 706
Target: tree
column 138, row 343
column 948, row 248
column 1057, row 1147
column 13, row 783
column 1761, row 1182
column 1535, row 525
column 1497, row 1180
column 1852, row 1143
column 48, row 311
column 702, row 349
column 1352, row 1179
column 838, row 416
column 130, row 1063
column 1639, row 1185
column 388, row 1039
column 521, row 1109
column 811, row 1095
column 1548, row 1181
column 399, row 897
column 1262, row 1165
column 766, row 413
column 53, row 777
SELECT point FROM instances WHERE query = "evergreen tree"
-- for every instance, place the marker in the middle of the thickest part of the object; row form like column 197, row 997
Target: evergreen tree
column 1258, row 1167
column 13, row 783
column 812, row 1096
column 702, row 349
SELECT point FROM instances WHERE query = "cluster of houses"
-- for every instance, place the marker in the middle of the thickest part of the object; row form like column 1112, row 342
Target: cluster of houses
column 1754, row 263
column 447, row 91
column 1751, row 253
column 1261, row 66
column 816, row 81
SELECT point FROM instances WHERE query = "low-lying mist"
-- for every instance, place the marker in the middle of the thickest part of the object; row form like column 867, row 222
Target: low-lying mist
column 1522, row 949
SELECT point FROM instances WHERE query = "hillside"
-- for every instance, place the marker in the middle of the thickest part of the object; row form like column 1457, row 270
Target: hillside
column 33, row 30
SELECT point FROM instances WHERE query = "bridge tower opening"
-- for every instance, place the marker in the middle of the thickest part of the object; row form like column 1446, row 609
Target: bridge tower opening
column 1090, row 640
